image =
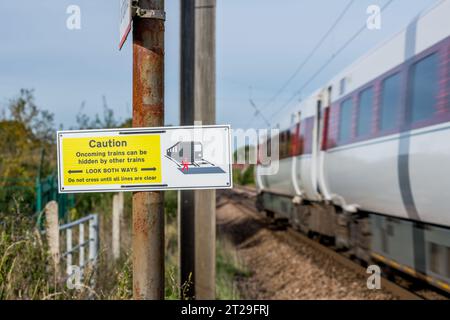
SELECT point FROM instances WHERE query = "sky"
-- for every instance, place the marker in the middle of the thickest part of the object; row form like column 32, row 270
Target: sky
column 259, row 45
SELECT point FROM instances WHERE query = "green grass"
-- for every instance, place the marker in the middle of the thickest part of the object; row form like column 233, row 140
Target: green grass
column 228, row 266
column 244, row 178
column 228, row 271
column 26, row 269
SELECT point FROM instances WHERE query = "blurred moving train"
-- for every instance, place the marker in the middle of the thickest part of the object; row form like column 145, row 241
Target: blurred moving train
column 365, row 160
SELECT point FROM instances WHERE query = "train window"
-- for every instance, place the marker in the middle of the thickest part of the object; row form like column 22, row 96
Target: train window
column 277, row 139
column 345, row 121
column 365, row 112
column 308, row 137
column 294, row 149
column 424, row 88
column 301, row 137
column 280, row 145
column 288, row 143
column 390, row 101
column 285, row 142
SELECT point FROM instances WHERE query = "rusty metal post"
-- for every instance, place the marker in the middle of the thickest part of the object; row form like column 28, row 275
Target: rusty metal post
column 148, row 111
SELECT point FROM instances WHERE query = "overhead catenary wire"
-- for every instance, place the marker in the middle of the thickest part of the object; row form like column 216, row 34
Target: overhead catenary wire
column 310, row 55
column 333, row 56
column 258, row 112
column 303, row 63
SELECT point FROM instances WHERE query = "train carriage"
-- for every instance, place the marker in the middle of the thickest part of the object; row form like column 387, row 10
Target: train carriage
column 365, row 160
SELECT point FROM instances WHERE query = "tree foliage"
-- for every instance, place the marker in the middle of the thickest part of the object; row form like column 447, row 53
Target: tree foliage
column 107, row 120
column 27, row 132
column 28, row 149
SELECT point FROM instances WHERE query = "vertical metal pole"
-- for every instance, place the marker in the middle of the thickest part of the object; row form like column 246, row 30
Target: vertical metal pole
column 148, row 111
column 38, row 195
column 197, row 214
column 80, row 243
column 93, row 239
column 68, row 250
column 186, row 205
column 93, row 245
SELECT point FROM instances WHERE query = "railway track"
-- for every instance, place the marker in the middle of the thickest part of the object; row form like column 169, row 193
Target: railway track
column 244, row 198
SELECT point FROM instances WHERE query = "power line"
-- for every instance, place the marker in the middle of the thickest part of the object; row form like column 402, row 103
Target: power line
column 333, row 56
column 304, row 62
column 310, row 55
column 258, row 112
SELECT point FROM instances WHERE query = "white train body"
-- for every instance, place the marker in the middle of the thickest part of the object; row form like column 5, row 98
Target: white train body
column 377, row 136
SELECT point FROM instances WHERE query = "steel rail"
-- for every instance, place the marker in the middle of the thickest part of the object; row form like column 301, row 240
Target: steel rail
column 393, row 288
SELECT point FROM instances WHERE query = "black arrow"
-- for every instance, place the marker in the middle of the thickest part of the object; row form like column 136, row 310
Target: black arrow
column 148, row 169
column 75, row 171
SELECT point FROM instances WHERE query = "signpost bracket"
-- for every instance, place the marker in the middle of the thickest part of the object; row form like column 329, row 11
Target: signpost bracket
column 146, row 13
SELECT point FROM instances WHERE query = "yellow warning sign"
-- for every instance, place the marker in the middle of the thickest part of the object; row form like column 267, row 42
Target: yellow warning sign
column 118, row 159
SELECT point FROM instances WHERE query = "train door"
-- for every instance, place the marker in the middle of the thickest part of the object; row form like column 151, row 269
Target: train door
column 294, row 153
column 315, row 144
column 322, row 114
column 258, row 176
column 264, row 150
column 315, row 191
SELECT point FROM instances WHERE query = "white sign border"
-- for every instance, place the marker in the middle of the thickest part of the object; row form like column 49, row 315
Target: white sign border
column 60, row 133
